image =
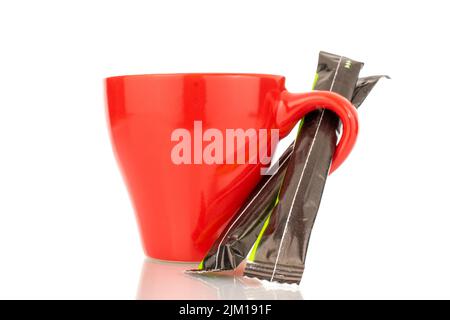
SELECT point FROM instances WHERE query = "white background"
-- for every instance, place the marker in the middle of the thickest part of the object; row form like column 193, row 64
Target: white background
column 66, row 224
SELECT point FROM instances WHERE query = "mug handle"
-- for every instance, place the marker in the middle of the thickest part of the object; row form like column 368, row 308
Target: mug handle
column 294, row 106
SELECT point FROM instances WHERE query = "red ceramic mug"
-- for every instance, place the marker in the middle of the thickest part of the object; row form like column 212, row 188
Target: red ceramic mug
column 182, row 208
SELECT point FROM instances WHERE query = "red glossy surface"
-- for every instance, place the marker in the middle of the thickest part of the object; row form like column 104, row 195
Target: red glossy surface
column 181, row 209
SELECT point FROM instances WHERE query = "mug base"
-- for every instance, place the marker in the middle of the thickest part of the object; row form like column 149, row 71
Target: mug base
column 164, row 261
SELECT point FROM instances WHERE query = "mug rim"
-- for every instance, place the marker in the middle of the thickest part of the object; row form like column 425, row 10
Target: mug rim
column 207, row 74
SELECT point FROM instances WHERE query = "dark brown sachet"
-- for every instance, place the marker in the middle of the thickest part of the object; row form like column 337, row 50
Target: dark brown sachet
column 240, row 234
column 281, row 251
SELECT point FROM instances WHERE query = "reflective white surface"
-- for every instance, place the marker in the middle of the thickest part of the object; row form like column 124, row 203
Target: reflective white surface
column 67, row 227
column 166, row 280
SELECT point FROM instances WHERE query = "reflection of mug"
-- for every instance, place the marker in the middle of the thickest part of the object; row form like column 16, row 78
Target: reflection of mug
column 181, row 208
column 167, row 281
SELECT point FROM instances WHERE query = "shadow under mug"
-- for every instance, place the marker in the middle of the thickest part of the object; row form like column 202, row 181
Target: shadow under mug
column 182, row 208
